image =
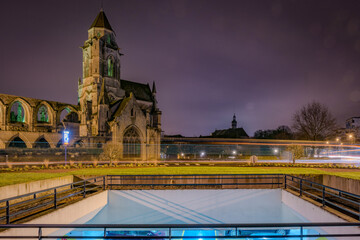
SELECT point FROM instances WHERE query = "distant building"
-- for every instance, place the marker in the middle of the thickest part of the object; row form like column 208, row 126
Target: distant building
column 233, row 132
column 352, row 123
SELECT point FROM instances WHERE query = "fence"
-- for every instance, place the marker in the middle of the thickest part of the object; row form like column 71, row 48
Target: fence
column 346, row 202
column 196, row 231
column 190, row 149
column 20, row 207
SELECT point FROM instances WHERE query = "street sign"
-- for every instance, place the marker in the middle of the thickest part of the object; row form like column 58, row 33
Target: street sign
column 66, row 137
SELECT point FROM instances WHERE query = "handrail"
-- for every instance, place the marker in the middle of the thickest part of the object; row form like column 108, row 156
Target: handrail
column 205, row 225
column 230, row 231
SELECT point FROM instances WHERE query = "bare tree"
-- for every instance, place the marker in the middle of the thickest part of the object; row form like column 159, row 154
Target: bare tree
column 111, row 152
column 314, row 122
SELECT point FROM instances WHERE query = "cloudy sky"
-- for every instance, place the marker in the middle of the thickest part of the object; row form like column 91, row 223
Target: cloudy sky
column 261, row 60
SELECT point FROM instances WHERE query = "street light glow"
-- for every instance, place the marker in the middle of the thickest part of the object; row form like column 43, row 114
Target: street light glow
column 276, row 150
column 234, row 152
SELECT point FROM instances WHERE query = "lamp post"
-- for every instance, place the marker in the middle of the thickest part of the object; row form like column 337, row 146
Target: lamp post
column 66, row 139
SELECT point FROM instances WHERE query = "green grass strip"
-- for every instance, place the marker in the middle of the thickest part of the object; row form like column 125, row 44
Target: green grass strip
column 22, row 177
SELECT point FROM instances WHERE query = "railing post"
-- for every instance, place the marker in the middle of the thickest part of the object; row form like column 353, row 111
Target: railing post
column 7, row 212
column 301, row 233
column 103, row 182
column 55, row 203
column 285, row 181
column 169, row 233
column 104, row 232
column 40, row 233
column 84, row 189
column 300, row 187
column 323, row 196
column 110, row 182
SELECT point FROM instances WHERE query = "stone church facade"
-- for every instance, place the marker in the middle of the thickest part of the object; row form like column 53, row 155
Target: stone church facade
column 109, row 108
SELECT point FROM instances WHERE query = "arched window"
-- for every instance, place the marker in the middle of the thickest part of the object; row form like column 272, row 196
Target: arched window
column 17, row 113
column 41, row 143
column 17, row 143
column 131, row 144
column 67, row 115
column 110, row 64
column 43, row 114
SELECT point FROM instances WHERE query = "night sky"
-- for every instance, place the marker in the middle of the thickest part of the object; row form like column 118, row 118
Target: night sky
column 261, row 60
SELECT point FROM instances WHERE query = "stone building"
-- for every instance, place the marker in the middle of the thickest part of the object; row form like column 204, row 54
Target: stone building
column 109, row 108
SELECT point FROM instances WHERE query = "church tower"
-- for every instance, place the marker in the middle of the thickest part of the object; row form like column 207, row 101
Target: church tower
column 100, row 83
column 234, row 122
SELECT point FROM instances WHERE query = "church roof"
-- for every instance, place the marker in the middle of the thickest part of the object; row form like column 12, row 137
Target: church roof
column 141, row 91
column 120, row 106
column 101, row 21
column 230, row 133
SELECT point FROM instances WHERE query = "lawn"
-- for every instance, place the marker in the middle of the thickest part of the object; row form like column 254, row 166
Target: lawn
column 9, row 178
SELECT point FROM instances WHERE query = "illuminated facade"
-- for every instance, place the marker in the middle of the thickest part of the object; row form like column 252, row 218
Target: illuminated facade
column 109, row 108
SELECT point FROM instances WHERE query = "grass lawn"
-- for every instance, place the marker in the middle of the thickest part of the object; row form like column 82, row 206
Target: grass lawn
column 9, row 178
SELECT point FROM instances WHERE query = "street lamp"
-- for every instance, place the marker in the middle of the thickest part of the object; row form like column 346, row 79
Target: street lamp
column 66, row 140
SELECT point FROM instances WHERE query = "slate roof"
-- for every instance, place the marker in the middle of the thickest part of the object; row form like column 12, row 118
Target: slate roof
column 230, row 133
column 141, row 91
column 33, row 102
column 119, row 106
column 101, row 21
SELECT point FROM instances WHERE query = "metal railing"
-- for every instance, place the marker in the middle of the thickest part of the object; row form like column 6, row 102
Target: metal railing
column 176, row 231
column 201, row 180
column 348, row 203
column 19, row 207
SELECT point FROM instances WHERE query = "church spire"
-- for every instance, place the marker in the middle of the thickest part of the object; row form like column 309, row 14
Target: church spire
column 101, row 21
column 234, row 122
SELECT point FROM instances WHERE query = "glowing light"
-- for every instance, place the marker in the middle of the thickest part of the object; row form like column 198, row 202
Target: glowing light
column 276, row 150
column 234, row 152
column 202, row 154
column 66, row 137
column 337, row 139
column 182, row 154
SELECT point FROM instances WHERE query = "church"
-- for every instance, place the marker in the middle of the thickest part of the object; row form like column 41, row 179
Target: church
column 109, row 109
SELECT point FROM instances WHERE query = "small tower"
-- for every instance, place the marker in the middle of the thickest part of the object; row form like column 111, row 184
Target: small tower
column 234, row 122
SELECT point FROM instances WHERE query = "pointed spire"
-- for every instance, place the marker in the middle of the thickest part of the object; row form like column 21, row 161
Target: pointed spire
column 101, row 21
column 103, row 98
column 154, row 88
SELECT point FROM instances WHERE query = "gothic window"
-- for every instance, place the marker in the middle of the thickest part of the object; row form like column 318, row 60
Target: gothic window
column 131, row 144
column 110, row 65
column 67, row 115
column 41, row 143
column 132, row 112
column 43, row 114
column 17, row 113
column 17, row 143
